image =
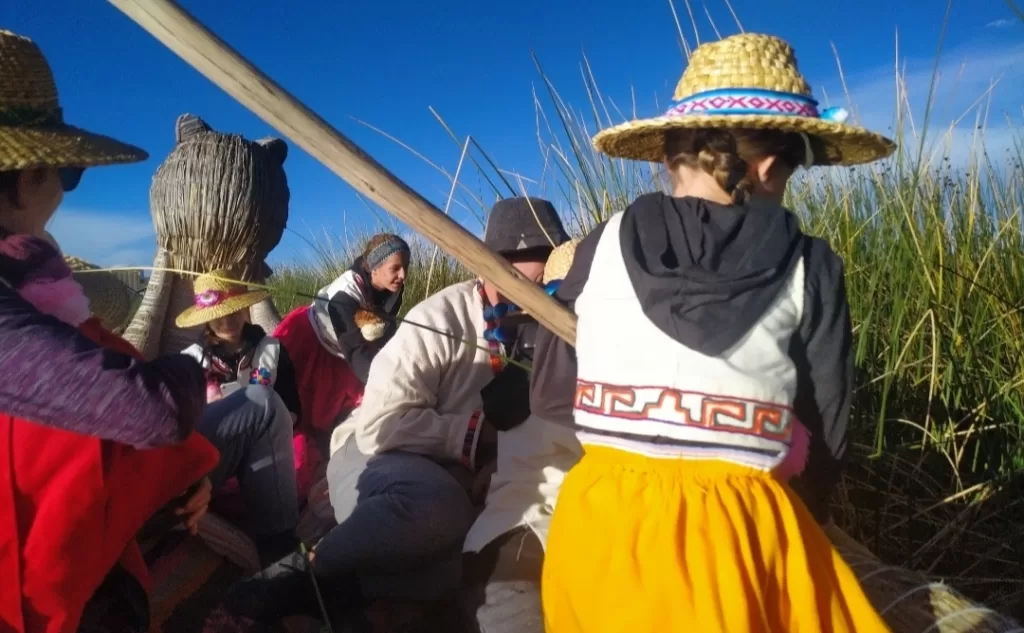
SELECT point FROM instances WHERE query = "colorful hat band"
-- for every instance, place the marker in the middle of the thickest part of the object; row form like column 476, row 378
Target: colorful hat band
column 211, row 298
column 733, row 101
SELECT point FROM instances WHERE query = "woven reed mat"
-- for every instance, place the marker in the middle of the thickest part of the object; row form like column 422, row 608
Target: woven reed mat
column 913, row 603
column 189, row 576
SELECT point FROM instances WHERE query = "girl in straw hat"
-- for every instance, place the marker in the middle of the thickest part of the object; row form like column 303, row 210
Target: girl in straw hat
column 78, row 404
column 713, row 362
column 254, row 405
column 234, row 352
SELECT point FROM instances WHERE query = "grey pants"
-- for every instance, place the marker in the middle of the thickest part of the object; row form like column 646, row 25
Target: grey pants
column 401, row 518
column 252, row 429
column 502, row 585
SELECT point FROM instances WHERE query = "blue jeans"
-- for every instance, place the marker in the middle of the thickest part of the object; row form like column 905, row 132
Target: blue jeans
column 252, row 429
column 401, row 518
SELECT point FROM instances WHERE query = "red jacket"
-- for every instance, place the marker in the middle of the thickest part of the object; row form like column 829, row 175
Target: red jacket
column 70, row 506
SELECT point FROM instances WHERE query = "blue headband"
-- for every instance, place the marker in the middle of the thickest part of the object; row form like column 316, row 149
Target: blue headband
column 393, row 244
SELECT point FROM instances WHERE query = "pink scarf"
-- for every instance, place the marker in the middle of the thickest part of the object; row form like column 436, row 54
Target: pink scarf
column 34, row 268
column 63, row 298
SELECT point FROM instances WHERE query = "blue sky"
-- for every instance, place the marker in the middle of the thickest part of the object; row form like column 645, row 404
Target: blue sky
column 386, row 63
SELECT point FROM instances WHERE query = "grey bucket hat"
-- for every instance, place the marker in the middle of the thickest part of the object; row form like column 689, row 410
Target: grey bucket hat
column 522, row 224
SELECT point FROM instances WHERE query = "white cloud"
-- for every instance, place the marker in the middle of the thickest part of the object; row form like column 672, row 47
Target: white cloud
column 1002, row 23
column 979, row 85
column 105, row 238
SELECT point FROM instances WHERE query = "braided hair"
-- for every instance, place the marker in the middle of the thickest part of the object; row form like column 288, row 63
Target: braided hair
column 724, row 154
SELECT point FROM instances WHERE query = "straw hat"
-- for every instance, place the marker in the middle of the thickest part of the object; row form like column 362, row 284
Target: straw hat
column 109, row 298
column 32, row 129
column 216, row 297
column 560, row 261
column 746, row 81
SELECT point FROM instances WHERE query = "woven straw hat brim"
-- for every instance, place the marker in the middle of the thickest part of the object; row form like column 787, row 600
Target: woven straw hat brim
column 560, row 261
column 110, row 299
column 844, row 144
column 62, row 146
column 194, row 315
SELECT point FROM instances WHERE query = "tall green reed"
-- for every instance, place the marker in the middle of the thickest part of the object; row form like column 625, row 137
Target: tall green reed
column 934, row 262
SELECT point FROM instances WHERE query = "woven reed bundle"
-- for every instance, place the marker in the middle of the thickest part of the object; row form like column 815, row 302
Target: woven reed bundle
column 219, row 199
column 109, row 298
column 912, row 603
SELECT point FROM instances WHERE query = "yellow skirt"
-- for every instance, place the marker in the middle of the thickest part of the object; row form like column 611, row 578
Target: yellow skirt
column 644, row 545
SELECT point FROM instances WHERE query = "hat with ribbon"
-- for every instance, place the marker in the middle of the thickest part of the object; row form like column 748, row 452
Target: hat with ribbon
column 216, row 295
column 32, row 128
column 748, row 81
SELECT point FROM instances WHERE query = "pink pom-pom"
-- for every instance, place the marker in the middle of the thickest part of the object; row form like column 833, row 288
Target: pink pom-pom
column 64, row 299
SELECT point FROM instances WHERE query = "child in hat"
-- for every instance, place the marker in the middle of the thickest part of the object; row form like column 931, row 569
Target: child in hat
column 335, row 339
column 254, row 405
column 234, row 352
column 714, row 362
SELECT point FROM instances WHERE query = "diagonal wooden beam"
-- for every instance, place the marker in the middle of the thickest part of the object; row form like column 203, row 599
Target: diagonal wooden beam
column 222, row 65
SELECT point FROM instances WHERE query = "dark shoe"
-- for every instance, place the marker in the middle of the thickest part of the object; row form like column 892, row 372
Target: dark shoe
column 286, row 588
column 281, row 590
column 274, row 548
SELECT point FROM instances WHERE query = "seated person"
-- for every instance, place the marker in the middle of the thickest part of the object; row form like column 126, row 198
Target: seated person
column 504, row 550
column 333, row 341
column 250, row 385
column 402, row 465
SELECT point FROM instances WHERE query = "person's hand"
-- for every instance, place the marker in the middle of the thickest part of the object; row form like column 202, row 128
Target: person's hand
column 213, row 393
column 460, row 474
column 195, row 508
column 488, row 433
column 482, row 482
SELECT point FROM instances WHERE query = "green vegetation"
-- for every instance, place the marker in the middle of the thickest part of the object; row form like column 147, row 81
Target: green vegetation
column 935, row 276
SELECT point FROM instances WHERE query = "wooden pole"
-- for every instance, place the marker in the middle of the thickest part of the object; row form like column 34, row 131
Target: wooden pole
column 208, row 54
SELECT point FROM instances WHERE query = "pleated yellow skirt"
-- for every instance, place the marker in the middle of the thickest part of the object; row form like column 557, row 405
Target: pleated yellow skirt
column 640, row 545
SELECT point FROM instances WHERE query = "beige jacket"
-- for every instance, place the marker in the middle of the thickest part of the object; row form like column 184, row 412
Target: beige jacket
column 423, row 391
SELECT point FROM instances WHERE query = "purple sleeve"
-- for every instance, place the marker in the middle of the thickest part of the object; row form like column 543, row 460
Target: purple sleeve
column 52, row 374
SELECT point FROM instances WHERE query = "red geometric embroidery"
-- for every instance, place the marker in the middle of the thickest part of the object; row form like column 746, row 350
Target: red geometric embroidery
column 685, row 408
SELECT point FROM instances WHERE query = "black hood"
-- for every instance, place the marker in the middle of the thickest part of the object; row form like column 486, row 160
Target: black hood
column 704, row 272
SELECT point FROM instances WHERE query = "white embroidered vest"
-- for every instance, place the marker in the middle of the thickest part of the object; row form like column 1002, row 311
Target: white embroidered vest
column 640, row 390
column 319, row 315
column 261, row 371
